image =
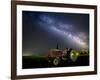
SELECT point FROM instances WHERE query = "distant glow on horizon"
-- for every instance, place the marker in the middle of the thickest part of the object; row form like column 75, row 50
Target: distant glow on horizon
column 28, row 54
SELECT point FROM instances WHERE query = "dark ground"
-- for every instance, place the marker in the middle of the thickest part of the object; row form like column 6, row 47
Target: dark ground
column 42, row 62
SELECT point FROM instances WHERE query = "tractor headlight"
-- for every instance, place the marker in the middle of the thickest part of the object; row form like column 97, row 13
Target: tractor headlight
column 77, row 54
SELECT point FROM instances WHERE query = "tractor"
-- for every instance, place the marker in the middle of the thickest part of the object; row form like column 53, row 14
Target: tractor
column 55, row 56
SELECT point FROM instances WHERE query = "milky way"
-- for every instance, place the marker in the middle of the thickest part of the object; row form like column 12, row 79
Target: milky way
column 42, row 31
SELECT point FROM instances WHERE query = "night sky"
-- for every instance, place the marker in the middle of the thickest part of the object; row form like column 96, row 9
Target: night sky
column 42, row 31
